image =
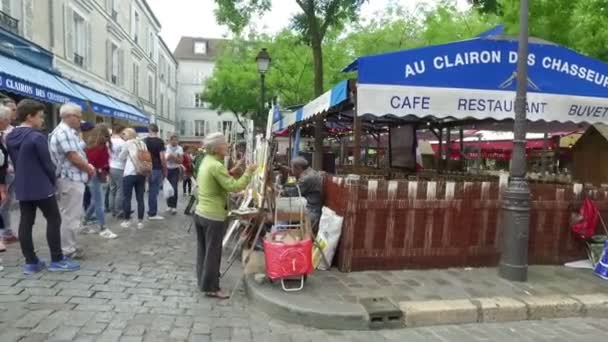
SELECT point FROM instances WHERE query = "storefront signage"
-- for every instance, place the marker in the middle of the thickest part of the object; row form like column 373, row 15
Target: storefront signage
column 28, row 89
column 477, row 79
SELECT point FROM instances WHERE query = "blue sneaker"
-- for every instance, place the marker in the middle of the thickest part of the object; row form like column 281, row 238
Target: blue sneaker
column 30, row 269
column 65, row 265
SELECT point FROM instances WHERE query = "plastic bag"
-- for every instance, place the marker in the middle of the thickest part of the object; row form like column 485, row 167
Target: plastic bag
column 168, row 190
column 330, row 229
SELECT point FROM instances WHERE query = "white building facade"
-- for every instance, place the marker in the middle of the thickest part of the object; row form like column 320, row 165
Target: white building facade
column 195, row 119
column 109, row 46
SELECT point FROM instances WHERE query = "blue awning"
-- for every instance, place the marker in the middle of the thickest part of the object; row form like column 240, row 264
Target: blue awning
column 20, row 78
column 131, row 113
column 108, row 106
column 330, row 99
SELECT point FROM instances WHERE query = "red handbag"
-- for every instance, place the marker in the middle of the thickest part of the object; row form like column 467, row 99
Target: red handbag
column 288, row 259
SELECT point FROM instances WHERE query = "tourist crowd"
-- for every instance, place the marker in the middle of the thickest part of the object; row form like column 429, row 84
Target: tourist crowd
column 78, row 174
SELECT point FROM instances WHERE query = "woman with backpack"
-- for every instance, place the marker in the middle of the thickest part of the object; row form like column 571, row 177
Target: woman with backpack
column 137, row 167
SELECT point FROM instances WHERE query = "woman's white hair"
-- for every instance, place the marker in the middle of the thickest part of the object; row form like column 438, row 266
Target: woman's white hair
column 69, row 108
column 5, row 113
column 213, row 141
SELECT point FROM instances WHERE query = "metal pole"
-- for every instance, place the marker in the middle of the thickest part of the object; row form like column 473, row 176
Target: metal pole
column 478, row 162
column 262, row 94
column 448, row 148
column 516, row 198
column 462, row 157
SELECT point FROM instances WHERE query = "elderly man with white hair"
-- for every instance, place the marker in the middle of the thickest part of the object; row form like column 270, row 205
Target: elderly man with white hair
column 214, row 184
column 310, row 183
column 73, row 172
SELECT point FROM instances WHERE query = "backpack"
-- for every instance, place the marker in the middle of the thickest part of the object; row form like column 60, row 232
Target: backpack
column 143, row 160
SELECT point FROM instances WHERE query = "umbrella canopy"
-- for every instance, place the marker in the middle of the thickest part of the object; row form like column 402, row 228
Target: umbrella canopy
column 477, row 78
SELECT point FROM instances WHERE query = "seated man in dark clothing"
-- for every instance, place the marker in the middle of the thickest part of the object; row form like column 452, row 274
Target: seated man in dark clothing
column 310, row 183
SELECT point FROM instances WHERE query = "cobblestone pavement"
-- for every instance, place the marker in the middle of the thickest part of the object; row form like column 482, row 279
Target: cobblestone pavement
column 141, row 287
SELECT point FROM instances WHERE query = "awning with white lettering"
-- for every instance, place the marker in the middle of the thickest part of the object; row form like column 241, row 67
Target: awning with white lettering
column 477, row 78
column 108, row 106
column 19, row 78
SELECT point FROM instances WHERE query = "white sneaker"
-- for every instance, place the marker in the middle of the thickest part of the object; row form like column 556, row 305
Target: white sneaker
column 126, row 224
column 88, row 230
column 140, row 225
column 156, row 218
column 173, row 211
column 108, row 234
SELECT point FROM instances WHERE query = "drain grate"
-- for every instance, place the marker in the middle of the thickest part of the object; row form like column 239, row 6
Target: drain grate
column 383, row 313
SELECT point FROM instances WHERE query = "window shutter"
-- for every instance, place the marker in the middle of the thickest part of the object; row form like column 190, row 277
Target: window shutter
column 207, row 128
column 121, row 67
column 68, row 26
column 219, row 126
column 109, row 66
column 28, row 6
column 6, row 7
column 89, row 46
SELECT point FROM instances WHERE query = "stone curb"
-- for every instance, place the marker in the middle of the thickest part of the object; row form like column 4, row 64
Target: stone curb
column 503, row 309
column 305, row 310
column 336, row 315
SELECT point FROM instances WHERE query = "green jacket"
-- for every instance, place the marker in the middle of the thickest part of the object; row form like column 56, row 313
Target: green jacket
column 214, row 184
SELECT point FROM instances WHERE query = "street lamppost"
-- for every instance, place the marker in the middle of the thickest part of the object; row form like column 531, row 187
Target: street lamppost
column 516, row 199
column 263, row 61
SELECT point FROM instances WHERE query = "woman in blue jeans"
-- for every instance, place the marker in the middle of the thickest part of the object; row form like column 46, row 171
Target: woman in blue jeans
column 131, row 180
column 97, row 150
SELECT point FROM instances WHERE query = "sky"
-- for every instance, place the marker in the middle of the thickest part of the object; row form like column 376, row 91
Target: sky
column 195, row 18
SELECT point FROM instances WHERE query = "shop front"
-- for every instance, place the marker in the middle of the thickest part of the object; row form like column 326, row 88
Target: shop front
column 441, row 219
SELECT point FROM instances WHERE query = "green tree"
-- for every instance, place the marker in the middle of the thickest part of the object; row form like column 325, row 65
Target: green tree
column 313, row 23
column 234, row 85
column 486, row 6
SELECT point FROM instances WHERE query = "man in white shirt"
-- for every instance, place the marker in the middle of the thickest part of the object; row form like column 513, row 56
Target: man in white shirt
column 117, row 170
column 174, row 156
column 73, row 172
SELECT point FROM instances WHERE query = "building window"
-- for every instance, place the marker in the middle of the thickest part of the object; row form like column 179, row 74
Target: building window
column 135, row 79
column 169, row 108
column 6, row 20
column 80, row 43
column 135, row 28
column 199, row 128
column 199, row 101
column 162, row 104
column 182, row 127
column 150, row 88
column 200, row 48
column 112, row 9
column 115, row 64
column 152, row 44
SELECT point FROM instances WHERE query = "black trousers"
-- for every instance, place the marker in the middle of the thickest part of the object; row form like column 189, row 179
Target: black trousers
column 210, row 234
column 50, row 210
column 173, row 178
column 187, row 183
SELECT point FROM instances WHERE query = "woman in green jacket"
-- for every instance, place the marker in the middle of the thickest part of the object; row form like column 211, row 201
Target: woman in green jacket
column 214, row 183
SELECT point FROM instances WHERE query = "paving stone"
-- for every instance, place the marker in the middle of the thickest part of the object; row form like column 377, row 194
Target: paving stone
column 111, row 295
column 91, row 280
column 39, row 291
column 48, row 299
column 13, row 298
column 32, row 319
column 438, row 312
column 73, row 285
column 75, row 293
column 202, row 338
column 93, row 328
column 135, row 330
column 545, row 307
column 131, row 339
column 93, row 307
column 36, row 283
column 35, row 338
column 179, row 333
column 64, row 333
column 10, row 290
column 108, row 288
column 90, row 301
